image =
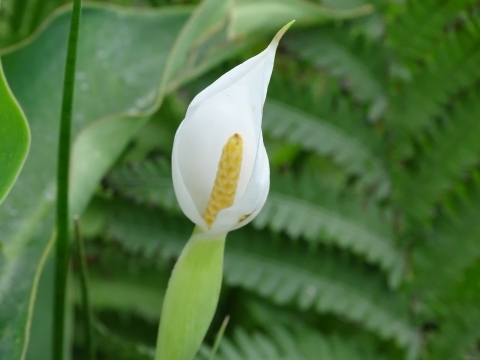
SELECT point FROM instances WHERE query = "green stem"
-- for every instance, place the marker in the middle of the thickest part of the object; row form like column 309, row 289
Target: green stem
column 218, row 339
column 63, row 166
column 87, row 310
column 191, row 299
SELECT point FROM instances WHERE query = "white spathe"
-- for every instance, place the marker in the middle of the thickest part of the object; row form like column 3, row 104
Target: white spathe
column 231, row 105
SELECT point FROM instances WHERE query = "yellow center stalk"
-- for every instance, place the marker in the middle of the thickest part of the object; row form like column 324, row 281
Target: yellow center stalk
column 226, row 181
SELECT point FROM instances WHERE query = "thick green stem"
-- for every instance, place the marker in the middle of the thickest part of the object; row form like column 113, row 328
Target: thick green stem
column 63, row 219
column 191, row 299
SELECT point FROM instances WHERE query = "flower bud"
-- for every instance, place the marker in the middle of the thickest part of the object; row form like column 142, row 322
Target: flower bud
column 220, row 166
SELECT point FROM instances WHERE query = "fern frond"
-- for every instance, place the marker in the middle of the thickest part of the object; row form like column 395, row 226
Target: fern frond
column 319, row 282
column 307, row 210
column 284, row 272
column 146, row 182
column 300, row 343
column 454, row 66
column 297, row 216
column 422, row 26
column 459, row 316
column 344, row 57
column 453, row 247
column 453, row 152
column 325, row 138
column 459, row 336
column 304, row 207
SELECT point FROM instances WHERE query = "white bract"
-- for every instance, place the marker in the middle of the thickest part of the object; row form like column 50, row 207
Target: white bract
column 231, row 105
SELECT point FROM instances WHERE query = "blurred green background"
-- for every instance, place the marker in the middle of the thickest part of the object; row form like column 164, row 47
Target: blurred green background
column 369, row 244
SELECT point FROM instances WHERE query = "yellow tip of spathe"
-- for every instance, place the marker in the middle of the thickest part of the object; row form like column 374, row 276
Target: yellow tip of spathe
column 282, row 31
column 226, row 180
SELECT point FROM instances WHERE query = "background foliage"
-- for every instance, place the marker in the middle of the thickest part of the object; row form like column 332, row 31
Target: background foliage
column 368, row 246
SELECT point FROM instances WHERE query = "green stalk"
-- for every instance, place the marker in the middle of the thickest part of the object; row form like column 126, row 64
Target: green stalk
column 191, row 299
column 219, row 338
column 87, row 310
column 63, row 167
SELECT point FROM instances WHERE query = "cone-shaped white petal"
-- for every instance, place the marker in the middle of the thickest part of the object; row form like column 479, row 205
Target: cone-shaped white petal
column 231, row 105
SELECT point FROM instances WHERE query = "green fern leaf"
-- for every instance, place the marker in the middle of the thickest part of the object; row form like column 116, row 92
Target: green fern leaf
column 452, row 248
column 304, row 207
column 316, row 215
column 146, row 182
column 299, row 343
column 322, row 282
column 421, row 26
column 452, row 153
column 325, row 138
column 285, row 273
column 344, row 57
column 454, row 66
column 458, row 318
column 459, row 335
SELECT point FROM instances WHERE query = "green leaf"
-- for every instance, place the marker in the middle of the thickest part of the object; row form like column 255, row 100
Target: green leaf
column 91, row 147
column 14, row 138
column 250, row 16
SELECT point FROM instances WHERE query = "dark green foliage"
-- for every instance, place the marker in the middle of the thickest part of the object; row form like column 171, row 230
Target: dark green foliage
column 306, row 209
column 325, row 138
column 420, row 26
column 361, row 64
column 459, row 333
column 368, row 246
column 147, row 182
column 447, row 159
column 371, row 224
column 451, row 67
column 150, row 231
column 302, row 343
column 455, row 242
column 385, row 230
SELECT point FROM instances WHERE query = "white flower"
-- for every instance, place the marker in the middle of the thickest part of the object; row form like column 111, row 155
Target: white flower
column 220, row 166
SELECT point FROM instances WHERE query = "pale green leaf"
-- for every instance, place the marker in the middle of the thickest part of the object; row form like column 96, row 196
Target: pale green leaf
column 250, row 16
